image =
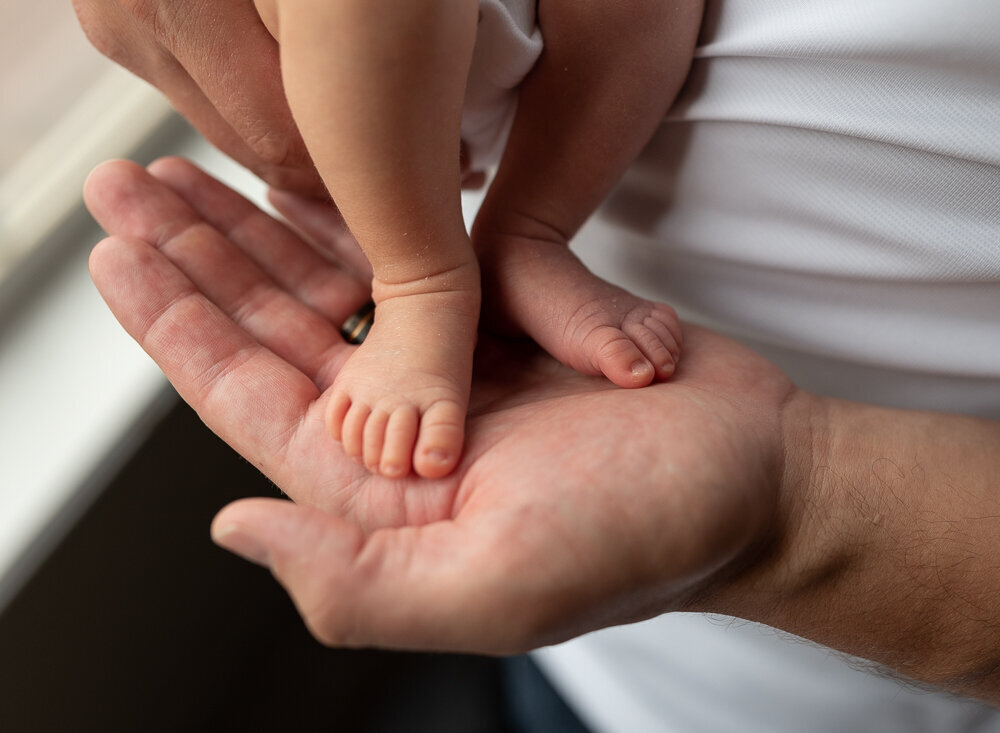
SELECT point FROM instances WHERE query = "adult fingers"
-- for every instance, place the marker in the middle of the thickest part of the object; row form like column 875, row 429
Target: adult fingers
column 190, row 100
column 234, row 60
column 129, row 202
column 435, row 586
column 334, row 291
column 216, row 366
column 219, row 66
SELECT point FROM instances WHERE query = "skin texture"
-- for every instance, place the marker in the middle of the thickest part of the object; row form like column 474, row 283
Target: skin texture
column 419, row 548
column 871, row 530
column 218, row 65
column 378, row 98
column 366, row 91
column 726, row 489
column 607, row 75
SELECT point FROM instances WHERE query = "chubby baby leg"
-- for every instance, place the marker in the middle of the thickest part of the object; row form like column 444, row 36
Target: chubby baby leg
column 400, row 399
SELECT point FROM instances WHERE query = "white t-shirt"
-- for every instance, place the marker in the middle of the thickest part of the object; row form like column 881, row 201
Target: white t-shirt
column 827, row 189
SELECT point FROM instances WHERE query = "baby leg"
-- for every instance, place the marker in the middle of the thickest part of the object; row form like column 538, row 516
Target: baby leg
column 378, row 98
column 543, row 290
column 605, row 78
column 401, row 398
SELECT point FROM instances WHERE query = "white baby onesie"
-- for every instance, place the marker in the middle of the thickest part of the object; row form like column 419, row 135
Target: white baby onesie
column 508, row 43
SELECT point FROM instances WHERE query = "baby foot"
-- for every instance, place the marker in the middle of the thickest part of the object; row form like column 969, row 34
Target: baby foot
column 583, row 321
column 400, row 399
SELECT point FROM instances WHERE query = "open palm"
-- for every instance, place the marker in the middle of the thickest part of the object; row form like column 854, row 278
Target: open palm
column 576, row 505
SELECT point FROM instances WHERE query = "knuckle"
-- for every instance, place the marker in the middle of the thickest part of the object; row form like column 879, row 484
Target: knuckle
column 302, row 179
column 275, row 149
column 281, row 160
column 278, row 145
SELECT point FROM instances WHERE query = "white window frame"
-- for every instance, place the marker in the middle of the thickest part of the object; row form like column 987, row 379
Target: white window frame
column 78, row 394
column 42, row 190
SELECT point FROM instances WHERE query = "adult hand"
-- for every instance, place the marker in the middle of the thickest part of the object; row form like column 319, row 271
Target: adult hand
column 577, row 505
column 219, row 66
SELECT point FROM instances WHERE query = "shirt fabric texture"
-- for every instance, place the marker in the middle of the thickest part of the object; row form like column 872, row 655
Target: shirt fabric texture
column 827, row 190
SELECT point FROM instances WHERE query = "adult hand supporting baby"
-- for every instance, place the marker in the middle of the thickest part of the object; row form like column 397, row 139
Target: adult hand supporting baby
column 219, row 67
column 576, row 505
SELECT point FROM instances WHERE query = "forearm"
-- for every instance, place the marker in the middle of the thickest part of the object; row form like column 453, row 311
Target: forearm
column 891, row 551
column 606, row 77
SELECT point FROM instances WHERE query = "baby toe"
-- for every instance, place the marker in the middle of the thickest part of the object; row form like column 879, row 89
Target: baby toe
column 442, row 432
column 373, row 439
column 352, row 432
column 666, row 317
column 399, row 437
column 336, row 411
column 621, row 361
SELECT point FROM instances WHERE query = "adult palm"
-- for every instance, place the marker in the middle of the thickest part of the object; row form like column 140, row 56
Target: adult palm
column 577, row 504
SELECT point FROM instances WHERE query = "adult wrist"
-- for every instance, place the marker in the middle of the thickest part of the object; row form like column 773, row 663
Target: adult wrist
column 884, row 543
column 819, row 543
column 795, row 549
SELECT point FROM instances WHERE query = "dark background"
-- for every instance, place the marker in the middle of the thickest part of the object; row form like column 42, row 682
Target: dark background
column 137, row 622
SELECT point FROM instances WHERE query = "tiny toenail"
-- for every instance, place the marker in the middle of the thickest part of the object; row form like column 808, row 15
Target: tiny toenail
column 392, row 470
column 641, row 368
column 437, row 455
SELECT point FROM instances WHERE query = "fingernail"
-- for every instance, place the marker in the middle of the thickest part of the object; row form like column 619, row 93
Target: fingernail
column 235, row 540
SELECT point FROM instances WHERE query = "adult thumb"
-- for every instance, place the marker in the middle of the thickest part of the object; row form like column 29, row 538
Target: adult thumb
column 310, row 552
column 406, row 587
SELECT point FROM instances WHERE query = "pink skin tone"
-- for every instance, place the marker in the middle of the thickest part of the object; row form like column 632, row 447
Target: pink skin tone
column 378, row 100
column 742, row 495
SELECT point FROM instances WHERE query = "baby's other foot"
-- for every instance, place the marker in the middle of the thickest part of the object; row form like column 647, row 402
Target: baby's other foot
column 587, row 323
column 399, row 402
column 632, row 341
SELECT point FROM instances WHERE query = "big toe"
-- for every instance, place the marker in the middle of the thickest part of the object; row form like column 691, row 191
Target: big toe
column 621, row 360
column 439, row 445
